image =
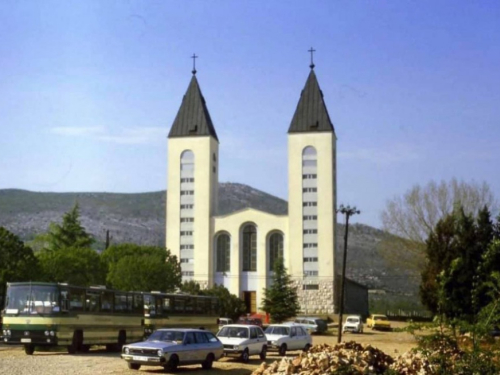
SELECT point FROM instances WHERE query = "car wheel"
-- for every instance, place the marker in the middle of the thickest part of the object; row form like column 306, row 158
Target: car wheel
column 307, row 347
column 29, row 349
column 208, row 362
column 282, row 350
column 133, row 366
column 245, row 356
column 172, row 363
column 263, row 353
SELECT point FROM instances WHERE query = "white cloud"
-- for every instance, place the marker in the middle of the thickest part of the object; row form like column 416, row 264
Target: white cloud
column 136, row 135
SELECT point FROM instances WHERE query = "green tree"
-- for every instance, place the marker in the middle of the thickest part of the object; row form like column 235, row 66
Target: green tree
column 70, row 233
column 230, row 306
column 280, row 300
column 456, row 266
column 190, row 287
column 145, row 268
column 17, row 261
column 73, row 265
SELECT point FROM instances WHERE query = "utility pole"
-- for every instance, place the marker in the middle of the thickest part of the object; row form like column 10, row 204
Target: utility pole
column 347, row 211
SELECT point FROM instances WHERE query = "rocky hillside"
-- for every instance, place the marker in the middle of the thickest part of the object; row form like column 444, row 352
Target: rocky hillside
column 140, row 218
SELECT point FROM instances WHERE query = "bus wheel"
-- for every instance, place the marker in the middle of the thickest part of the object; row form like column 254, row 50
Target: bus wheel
column 85, row 348
column 122, row 340
column 110, row 347
column 71, row 349
column 29, row 349
column 133, row 366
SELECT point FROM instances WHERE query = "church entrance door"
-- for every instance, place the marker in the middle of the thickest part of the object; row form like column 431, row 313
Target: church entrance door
column 250, row 298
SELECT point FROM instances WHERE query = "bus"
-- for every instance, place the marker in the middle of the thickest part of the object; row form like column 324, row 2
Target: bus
column 41, row 314
column 164, row 310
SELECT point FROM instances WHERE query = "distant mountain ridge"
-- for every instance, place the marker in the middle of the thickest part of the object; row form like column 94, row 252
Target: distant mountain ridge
column 140, row 218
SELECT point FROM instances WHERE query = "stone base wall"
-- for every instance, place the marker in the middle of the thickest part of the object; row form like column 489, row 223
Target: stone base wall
column 316, row 302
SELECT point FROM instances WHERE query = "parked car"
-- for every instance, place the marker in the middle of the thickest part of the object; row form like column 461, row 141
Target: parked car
column 171, row 348
column 378, row 321
column 250, row 321
column 288, row 336
column 224, row 321
column 353, row 323
column 243, row 341
column 315, row 325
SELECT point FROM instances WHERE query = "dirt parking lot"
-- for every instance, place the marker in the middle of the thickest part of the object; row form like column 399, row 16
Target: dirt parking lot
column 13, row 361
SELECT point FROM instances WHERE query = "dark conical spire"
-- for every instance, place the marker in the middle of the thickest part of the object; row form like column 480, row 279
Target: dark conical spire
column 311, row 114
column 193, row 118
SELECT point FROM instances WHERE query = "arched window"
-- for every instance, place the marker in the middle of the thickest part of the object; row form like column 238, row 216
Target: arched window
column 249, row 248
column 275, row 249
column 187, row 160
column 223, row 258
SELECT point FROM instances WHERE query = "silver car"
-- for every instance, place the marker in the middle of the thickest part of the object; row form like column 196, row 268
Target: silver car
column 171, row 348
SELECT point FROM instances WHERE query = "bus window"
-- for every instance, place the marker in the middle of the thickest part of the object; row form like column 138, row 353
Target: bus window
column 201, row 305
column 138, row 303
column 76, row 299
column 215, row 306
column 167, row 305
column 149, row 305
column 189, row 305
column 92, row 302
column 120, row 302
column 107, row 302
column 130, row 302
column 179, row 305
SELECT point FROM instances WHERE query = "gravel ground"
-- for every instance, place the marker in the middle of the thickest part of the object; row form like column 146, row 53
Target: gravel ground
column 13, row 361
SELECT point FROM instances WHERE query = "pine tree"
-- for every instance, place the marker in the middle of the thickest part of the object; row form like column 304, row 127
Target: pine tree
column 70, row 233
column 280, row 300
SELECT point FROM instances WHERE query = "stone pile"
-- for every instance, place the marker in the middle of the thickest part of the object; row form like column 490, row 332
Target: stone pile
column 348, row 358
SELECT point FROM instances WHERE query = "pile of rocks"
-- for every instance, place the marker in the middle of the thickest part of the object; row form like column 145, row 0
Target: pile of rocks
column 347, row 358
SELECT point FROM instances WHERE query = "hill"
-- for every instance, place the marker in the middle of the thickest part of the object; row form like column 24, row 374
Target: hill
column 140, row 218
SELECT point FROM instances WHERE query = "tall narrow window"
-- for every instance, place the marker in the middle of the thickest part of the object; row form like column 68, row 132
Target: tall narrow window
column 249, row 248
column 223, row 259
column 275, row 249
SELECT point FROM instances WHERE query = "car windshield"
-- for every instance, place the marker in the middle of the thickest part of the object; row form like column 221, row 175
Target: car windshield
column 32, row 299
column 284, row 331
column 166, row 336
column 233, row 332
column 352, row 320
column 380, row 318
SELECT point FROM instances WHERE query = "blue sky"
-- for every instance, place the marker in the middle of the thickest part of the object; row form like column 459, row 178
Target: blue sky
column 89, row 90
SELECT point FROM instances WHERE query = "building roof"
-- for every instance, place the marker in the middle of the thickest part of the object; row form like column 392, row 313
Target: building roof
column 193, row 118
column 311, row 114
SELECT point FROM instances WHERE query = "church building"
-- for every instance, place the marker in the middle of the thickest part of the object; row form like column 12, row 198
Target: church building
column 238, row 250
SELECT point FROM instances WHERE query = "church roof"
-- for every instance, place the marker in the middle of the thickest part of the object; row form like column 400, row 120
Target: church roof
column 193, row 118
column 311, row 114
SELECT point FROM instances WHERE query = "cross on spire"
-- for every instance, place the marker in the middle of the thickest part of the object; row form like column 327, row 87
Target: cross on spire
column 312, row 52
column 194, row 57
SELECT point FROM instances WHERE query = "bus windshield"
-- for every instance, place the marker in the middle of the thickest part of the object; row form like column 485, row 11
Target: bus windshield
column 32, row 299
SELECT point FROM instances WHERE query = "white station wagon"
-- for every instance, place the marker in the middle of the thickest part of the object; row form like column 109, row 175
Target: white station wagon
column 288, row 336
column 170, row 348
column 243, row 341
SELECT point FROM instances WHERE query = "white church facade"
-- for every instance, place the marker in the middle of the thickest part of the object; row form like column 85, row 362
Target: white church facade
column 238, row 250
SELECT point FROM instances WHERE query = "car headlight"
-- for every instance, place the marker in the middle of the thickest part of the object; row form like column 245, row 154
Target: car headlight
column 159, row 352
column 8, row 332
column 52, row 333
column 46, row 333
column 126, row 350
